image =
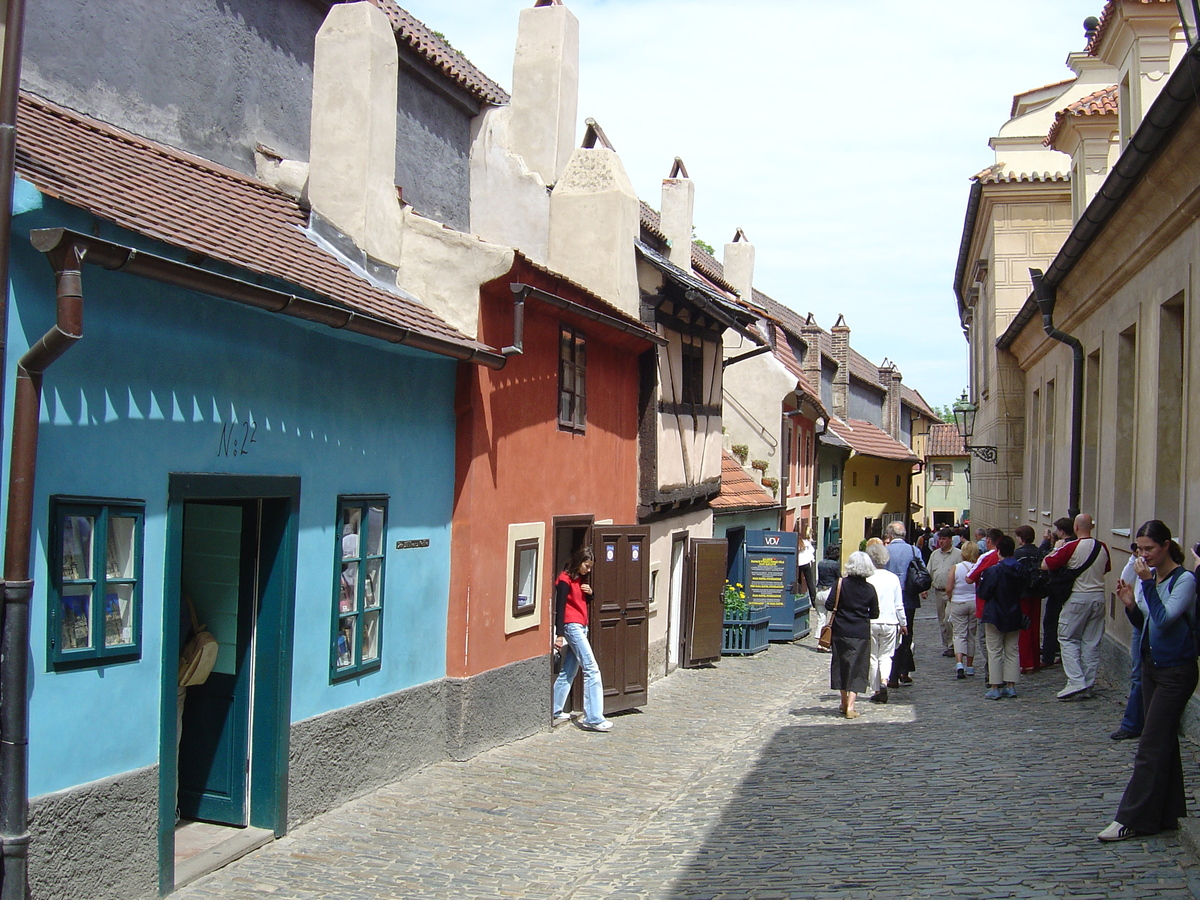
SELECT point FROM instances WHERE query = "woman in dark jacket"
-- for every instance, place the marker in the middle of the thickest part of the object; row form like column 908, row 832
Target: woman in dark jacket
column 1029, row 644
column 855, row 604
column 1163, row 605
column 1001, row 587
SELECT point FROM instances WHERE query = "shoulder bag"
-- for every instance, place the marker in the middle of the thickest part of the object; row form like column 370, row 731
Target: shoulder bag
column 825, row 639
column 199, row 654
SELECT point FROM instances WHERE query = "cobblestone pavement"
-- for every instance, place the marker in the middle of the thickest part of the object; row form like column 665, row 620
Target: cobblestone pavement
column 741, row 781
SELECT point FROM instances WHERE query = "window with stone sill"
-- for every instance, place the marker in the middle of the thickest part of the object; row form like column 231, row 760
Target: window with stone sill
column 96, row 600
column 358, row 588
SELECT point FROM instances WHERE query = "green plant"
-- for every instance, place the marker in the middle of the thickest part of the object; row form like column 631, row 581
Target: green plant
column 772, row 483
column 760, row 464
column 733, row 596
column 740, row 452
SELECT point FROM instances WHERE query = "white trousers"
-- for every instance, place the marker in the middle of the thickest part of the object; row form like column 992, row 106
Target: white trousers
column 883, row 645
column 962, row 616
column 1080, row 630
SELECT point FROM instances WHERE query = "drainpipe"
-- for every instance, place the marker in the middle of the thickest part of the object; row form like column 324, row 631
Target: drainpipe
column 18, row 587
column 10, row 88
column 1046, row 297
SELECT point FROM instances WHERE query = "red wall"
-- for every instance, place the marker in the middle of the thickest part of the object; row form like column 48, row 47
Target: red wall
column 514, row 464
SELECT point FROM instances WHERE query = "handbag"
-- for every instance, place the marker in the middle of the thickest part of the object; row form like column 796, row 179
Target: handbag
column 825, row 639
column 199, row 654
column 917, row 579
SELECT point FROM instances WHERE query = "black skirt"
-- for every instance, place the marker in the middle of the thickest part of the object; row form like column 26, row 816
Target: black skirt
column 850, row 664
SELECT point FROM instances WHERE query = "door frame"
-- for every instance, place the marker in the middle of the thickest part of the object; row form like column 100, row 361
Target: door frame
column 270, row 709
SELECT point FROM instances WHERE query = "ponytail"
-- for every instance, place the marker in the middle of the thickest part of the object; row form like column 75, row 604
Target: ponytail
column 1176, row 552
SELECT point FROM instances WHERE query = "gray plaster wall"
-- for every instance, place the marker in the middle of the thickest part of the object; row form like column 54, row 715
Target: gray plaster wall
column 214, row 77
column 343, row 754
column 656, row 659
column 497, row 707
column 98, row 840
column 865, row 404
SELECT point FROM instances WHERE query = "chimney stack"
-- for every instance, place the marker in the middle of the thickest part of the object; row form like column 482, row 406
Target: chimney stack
column 889, row 377
column 545, row 94
column 352, row 147
column 739, row 265
column 678, row 201
column 840, row 334
column 810, row 333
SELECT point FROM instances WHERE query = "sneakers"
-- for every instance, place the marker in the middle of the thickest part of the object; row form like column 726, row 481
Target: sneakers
column 1009, row 691
column 605, row 725
column 1116, row 832
column 971, row 671
column 880, row 696
column 993, row 694
column 1088, row 693
column 904, row 679
column 562, row 718
column 1072, row 693
column 1122, row 735
column 960, row 672
column 948, row 652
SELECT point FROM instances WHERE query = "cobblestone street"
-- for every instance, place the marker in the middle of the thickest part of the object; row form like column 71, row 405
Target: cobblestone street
column 742, row 781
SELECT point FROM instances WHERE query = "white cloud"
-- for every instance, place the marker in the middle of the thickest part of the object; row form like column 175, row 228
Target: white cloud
column 840, row 136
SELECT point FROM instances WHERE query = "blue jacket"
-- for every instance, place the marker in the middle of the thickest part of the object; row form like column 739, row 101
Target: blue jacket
column 1165, row 613
column 1001, row 586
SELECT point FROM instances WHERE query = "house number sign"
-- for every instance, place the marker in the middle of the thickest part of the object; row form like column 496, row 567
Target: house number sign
column 236, row 438
column 412, row 545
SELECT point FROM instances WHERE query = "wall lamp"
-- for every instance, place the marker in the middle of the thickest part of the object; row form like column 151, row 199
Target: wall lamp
column 964, row 420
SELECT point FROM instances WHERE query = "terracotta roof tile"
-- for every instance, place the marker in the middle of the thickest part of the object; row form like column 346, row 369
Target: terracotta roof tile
column 1045, row 87
column 914, row 399
column 702, row 261
column 870, row 440
column 1106, row 17
column 196, row 205
column 996, row 175
column 452, row 64
column 1098, row 103
column 945, row 440
column 738, row 489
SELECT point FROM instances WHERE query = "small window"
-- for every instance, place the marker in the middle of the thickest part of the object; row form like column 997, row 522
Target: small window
column 943, row 473
column 572, row 379
column 358, row 593
column 692, row 381
column 525, row 573
column 96, row 603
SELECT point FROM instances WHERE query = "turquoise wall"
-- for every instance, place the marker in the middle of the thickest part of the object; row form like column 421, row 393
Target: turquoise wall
column 157, row 377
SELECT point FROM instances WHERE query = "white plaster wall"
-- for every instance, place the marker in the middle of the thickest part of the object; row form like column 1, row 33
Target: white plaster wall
column 698, row 524
column 509, row 204
column 754, row 391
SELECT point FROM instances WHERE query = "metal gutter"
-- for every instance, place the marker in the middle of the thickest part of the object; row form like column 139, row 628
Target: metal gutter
column 116, row 257
column 1045, row 301
column 587, row 312
column 964, row 246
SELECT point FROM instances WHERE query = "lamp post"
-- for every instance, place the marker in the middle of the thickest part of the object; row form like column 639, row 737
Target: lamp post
column 1189, row 15
column 964, row 420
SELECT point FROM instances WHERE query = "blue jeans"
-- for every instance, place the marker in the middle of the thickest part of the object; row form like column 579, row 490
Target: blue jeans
column 578, row 652
column 1135, row 715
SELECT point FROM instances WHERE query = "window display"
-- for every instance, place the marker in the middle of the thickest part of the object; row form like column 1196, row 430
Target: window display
column 358, row 601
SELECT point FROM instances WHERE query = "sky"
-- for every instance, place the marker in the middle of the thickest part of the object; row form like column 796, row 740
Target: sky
column 839, row 136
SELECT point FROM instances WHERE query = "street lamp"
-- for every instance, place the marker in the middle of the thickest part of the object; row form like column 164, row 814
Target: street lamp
column 964, row 420
column 1189, row 15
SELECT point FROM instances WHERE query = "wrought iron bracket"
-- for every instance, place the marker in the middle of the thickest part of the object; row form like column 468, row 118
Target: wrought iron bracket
column 986, row 454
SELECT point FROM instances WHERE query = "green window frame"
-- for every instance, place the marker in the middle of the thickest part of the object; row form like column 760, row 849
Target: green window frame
column 358, row 580
column 95, row 614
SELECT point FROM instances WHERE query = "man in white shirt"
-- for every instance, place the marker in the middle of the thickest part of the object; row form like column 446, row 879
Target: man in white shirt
column 941, row 563
column 1081, row 623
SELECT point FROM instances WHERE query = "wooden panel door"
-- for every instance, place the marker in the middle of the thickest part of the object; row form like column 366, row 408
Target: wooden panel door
column 620, row 613
column 703, row 623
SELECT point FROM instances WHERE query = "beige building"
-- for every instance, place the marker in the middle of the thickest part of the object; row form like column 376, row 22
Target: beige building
column 1097, row 374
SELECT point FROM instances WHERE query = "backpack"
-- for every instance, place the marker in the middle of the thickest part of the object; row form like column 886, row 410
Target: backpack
column 199, row 654
column 1037, row 579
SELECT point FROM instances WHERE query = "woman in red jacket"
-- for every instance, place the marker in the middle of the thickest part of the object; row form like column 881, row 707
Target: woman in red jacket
column 571, row 636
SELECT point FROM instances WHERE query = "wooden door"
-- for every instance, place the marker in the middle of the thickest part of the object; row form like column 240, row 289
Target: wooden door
column 704, row 610
column 620, row 613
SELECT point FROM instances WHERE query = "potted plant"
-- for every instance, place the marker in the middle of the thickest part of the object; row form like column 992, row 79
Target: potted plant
column 740, row 452
column 771, row 482
column 760, row 464
column 745, row 628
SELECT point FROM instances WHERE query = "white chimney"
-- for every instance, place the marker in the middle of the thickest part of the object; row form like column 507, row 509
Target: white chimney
column 678, row 202
column 545, row 92
column 739, row 265
column 352, row 155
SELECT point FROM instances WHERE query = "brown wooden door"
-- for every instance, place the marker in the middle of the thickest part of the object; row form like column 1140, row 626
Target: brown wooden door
column 703, row 616
column 620, row 613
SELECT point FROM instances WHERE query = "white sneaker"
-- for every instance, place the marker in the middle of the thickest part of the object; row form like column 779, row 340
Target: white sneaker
column 1116, row 832
column 562, row 718
column 606, row 725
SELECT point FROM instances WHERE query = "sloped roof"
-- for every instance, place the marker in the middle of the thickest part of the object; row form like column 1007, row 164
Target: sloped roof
column 1106, row 17
column 417, row 35
column 996, row 175
column 913, row 398
column 870, row 440
column 1045, row 87
column 196, row 205
column 738, row 490
column 721, row 308
column 783, row 353
column 1098, row 103
column 945, row 440
column 703, row 262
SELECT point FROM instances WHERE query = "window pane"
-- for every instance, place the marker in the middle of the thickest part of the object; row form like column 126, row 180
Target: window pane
column 77, row 547
column 375, row 531
column 351, row 522
column 370, row 646
column 76, row 630
column 119, row 561
column 345, row 641
column 348, row 593
column 371, row 592
column 526, row 579
column 118, row 615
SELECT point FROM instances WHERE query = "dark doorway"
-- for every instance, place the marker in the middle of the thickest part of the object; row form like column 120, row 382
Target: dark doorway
column 621, row 609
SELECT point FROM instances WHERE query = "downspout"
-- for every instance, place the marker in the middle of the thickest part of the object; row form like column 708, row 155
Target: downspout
column 18, row 587
column 10, row 88
column 1046, row 297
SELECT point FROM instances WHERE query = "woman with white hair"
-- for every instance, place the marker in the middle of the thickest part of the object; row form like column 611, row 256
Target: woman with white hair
column 854, row 604
column 891, row 622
